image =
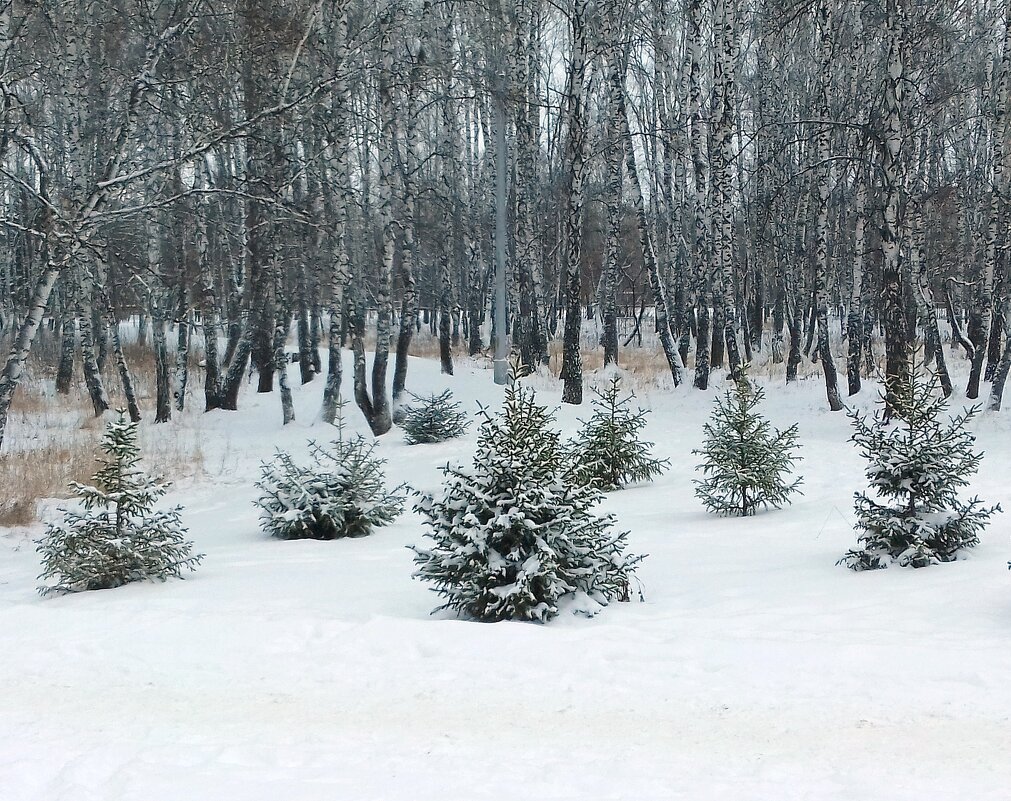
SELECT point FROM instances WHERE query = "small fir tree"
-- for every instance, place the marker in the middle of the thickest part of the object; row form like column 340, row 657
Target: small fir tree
column 511, row 538
column 434, row 418
column 746, row 462
column 917, row 463
column 340, row 494
column 607, row 452
column 117, row 536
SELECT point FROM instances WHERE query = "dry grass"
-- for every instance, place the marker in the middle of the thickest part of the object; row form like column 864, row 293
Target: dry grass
column 646, row 364
column 32, row 399
column 142, row 366
column 28, row 476
column 426, row 346
column 52, row 440
column 43, row 466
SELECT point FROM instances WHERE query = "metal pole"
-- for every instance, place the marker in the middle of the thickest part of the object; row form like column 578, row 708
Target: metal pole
column 501, row 160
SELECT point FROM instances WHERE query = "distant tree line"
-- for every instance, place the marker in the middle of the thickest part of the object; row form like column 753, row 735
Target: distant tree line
column 766, row 175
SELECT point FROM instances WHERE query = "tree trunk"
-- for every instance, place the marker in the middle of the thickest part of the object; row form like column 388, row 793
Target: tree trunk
column 341, row 199
column 236, row 372
column 281, row 325
column 92, row 372
column 528, row 325
column 306, row 369
column 182, row 351
column 893, row 312
column 408, row 187
column 700, row 251
column 725, row 79
column 821, row 234
column 132, row 406
column 572, row 363
column 998, row 201
column 376, row 407
column 854, row 319
column 68, row 345
column 163, row 380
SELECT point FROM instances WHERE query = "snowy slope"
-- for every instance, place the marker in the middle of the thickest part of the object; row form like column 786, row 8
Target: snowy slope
column 755, row 670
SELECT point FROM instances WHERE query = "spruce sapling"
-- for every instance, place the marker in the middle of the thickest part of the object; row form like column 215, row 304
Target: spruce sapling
column 341, row 493
column 511, row 538
column 608, row 453
column 117, row 537
column 917, row 463
column 434, row 418
column 746, row 463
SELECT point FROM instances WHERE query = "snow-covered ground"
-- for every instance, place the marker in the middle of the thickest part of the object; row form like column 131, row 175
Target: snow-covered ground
column 755, row 670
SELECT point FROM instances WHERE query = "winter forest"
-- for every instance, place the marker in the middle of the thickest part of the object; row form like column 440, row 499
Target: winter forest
column 668, row 336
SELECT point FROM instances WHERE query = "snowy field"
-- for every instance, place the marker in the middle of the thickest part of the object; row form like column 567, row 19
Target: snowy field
column 756, row 669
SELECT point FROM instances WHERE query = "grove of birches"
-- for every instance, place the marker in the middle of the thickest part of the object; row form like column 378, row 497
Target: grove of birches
column 713, row 182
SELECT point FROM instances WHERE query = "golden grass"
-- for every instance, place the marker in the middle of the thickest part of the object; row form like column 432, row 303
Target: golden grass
column 53, row 439
column 645, row 363
column 44, row 471
column 647, row 366
column 426, row 346
column 44, row 466
column 32, row 399
column 641, row 361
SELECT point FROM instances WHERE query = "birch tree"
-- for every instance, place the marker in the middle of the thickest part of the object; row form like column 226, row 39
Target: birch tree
column 572, row 367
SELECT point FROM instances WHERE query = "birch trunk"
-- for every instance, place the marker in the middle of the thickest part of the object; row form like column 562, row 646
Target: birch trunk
column 408, row 187
column 926, row 308
column 821, row 232
column 125, row 377
column 700, row 207
column 613, row 157
column 68, row 345
column 92, row 372
column 340, row 147
column 211, row 319
column 282, row 323
column 855, row 317
column 794, row 288
column 163, row 376
column 893, row 313
column 999, row 198
column 528, row 326
column 182, row 366
column 375, row 405
column 451, row 178
column 572, row 363
column 725, row 80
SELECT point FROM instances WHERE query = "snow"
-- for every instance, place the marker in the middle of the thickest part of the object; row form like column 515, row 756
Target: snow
column 756, row 669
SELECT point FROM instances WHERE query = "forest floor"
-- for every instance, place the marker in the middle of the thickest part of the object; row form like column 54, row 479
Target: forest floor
column 755, row 670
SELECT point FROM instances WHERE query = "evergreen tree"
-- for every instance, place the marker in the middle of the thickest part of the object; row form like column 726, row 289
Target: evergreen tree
column 607, row 451
column 117, row 536
column 340, row 494
column 511, row 538
column 917, row 463
column 746, row 462
column 434, row 418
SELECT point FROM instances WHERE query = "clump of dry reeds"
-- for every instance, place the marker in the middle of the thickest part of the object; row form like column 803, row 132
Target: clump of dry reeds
column 52, row 440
